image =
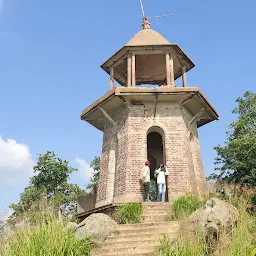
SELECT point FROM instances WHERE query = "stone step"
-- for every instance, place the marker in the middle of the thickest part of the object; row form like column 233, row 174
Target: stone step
column 149, row 221
column 154, row 234
column 164, row 229
column 132, row 249
column 147, row 225
column 156, row 205
column 155, row 212
column 128, row 244
column 154, row 219
column 160, row 212
column 136, row 239
column 153, row 216
column 122, row 253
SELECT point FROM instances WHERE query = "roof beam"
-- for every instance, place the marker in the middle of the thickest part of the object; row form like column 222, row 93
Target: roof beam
column 120, row 60
column 107, row 116
column 195, row 117
column 189, row 98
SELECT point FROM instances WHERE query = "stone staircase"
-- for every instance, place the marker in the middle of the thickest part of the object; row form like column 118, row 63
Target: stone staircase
column 140, row 239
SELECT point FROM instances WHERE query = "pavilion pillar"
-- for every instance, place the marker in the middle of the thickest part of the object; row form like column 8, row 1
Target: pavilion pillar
column 168, row 77
column 133, row 70
column 184, row 77
column 171, row 71
column 112, row 79
column 129, row 71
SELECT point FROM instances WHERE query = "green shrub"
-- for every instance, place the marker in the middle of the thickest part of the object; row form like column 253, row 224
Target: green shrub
column 49, row 238
column 183, row 246
column 130, row 213
column 184, row 206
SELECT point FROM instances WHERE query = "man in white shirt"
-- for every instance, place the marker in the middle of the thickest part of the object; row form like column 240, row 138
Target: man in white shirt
column 161, row 173
column 145, row 177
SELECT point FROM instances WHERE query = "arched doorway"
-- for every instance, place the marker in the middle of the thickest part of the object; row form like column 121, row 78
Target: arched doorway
column 155, row 148
column 155, row 151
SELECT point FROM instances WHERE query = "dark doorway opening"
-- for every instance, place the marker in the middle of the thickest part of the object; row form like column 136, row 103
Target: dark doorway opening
column 155, row 154
column 154, row 151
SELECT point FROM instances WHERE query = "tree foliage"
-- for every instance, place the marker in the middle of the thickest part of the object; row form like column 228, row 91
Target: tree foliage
column 95, row 165
column 236, row 160
column 48, row 185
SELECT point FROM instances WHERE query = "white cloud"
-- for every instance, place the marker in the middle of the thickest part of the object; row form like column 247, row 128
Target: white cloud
column 84, row 168
column 16, row 163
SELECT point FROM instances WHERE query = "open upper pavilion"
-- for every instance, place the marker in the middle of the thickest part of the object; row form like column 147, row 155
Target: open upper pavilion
column 134, row 64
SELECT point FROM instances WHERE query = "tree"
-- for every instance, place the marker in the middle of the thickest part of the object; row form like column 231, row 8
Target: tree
column 29, row 199
column 95, row 164
column 49, row 185
column 236, row 160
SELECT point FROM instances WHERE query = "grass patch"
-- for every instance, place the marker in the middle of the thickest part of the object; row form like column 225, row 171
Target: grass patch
column 184, row 206
column 242, row 241
column 48, row 238
column 130, row 213
column 183, row 246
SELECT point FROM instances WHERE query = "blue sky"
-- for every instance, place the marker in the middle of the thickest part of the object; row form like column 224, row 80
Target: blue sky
column 50, row 56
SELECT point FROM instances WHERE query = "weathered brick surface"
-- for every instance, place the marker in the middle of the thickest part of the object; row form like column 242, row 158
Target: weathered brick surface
column 181, row 149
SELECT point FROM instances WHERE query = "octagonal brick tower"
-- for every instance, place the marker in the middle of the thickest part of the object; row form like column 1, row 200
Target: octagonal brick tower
column 148, row 117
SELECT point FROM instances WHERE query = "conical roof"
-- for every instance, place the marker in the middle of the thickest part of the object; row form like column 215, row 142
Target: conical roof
column 147, row 37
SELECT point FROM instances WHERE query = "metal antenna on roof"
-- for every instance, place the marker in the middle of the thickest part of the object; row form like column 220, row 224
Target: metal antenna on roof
column 142, row 8
column 146, row 24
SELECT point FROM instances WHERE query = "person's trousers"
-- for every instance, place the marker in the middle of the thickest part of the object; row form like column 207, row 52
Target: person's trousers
column 161, row 192
column 146, row 189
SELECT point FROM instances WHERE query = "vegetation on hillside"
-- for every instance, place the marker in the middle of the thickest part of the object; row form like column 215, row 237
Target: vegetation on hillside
column 49, row 185
column 47, row 237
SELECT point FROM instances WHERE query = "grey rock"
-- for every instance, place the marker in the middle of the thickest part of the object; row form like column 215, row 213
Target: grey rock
column 215, row 216
column 97, row 226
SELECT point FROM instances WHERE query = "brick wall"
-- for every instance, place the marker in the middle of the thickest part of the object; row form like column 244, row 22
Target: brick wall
column 181, row 149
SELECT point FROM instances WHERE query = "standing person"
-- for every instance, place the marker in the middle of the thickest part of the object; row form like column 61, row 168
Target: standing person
column 161, row 173
column 145, row 178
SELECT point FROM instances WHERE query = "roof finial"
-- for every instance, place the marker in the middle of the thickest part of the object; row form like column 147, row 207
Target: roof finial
column 146, row 24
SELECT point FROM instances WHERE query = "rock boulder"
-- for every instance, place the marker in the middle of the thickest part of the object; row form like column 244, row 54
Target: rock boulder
column 215, row 216
column 98, row 226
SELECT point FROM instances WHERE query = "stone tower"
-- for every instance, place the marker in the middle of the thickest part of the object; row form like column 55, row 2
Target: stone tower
column 148, row 117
